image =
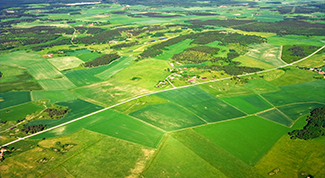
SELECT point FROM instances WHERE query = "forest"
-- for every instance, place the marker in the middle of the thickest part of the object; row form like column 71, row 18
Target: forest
column 102, row 60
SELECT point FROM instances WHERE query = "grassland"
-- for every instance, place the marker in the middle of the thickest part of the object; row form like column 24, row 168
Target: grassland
column 115, row 67
column 79, row 52
column 19, row 112
column 314, row 61
column 86, row 57
column 43, row 70
column 20, row 58
column 251, row 62
column 53, row 96
column 14, row 98
column 56, row 84
column 259, row 86
column 84, row 76
column 276, row 116
column 176, row 160
column 267, row 53
column 296, row 39
column 295, row 111
column 63, row 63
column 174, row 49
column 254, row 137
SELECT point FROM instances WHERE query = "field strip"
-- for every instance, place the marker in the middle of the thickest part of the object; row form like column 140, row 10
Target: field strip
column 284, row 114
column 191, row 112
column 234, row 107
column 82, row 117
column 276, row 122
column 135, row 118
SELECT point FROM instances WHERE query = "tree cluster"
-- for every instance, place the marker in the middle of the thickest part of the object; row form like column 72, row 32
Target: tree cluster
column 314, row 128
column 102, row 37
column 123, row 45
column 102, row 60
column 33, row 129
column 54, row 113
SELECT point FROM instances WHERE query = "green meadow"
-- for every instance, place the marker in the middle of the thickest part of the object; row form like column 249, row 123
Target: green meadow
column 52, row 96
column 9, row 99
column 19, row 112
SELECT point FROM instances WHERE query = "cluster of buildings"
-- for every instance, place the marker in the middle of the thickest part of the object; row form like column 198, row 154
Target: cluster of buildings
column 48, row 55
column 2, row 153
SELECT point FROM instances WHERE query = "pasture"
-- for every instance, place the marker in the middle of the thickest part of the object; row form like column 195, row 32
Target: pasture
column 266, row 53
column 296, row 39
column 86, row 57
column 314, row 61
column 115, row 67
column 56, row 84
column 254, row 137
column 53, row 96
column 84, row 77
column 63, row 63
column 250, row 104
column 20, row 58
column 295, row 111
column 174, row 49
column 174, row 160
column 43, row 70
column 276, row 116
column 294, row 157
column 168, row 116
column 9, row 99
column 251, row 62
column 219, row 158
column 19, row 112
column 79, row 52
column 259, row 86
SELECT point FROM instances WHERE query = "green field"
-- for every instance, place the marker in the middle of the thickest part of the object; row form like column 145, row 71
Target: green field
column 303, row 92
column 314, row 61
column 14, row 98
column 251, row 62
column 253, row 137
column 84, row 76
column 176, row 160
column 250, row 104
column 19, row 112
column 294, row 157
column 259, row 86
column 86, row 57
column 43, row 70
column 53, row 96
column 276, row 116
column 296, row 39
column 56, row 84
column 115, row 67
column 174, row 49
column 63, row 63
column 295, row 111
column 218, row 157
column 20, row 58
column 168, row 116
column 266, row 53
column 113, row 124
column 79, row 52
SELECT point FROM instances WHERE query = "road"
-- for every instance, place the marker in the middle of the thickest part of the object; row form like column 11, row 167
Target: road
column 96, row 112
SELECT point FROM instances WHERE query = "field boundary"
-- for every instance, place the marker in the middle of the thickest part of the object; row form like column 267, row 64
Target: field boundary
column 104, row 109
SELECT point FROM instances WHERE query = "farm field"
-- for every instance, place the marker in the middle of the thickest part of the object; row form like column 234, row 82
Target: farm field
column 174, row 49
column 276, row 116
column 52, row 96
column 86, row 57
column 43, row 70
column 9, row 99
column 294, row 111
column 63, row 63
column 56, row 84
column 267, row 53
column 19, row 112
column 20, row 58
column 115, row 67
column 251, row 62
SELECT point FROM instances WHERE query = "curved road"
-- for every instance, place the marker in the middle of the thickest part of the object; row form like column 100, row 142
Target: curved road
column 74, row 120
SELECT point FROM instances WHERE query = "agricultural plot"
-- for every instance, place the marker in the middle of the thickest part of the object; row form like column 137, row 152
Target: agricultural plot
column 295, row 111
column 267, row 53
column 314, row 61
column 168, row 116
column 219, row 158
column 56, row 84
column 176, row 160
column 84, row 76
column 251, row 62
column 174, row 49
column 20, row 58
column 43, row 70
column 19, row 112
column 77, row 108
column 294, row 157
column 79, row 52
column 302, row 92
column 53, row 96
column 254, row 137
column 63, row 63
column 86, row 57
column 250, row 104
column 297, row 40
column 115, row 67
column 276, row 116
column 9, row 99
column 259, row 86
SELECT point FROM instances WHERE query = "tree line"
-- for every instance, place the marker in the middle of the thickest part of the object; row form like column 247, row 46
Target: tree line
column 102, row 60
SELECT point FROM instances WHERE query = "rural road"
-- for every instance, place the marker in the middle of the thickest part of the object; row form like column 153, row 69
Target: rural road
column 74, row 120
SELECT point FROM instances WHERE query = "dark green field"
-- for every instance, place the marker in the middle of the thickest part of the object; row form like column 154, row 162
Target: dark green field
column 14, row 98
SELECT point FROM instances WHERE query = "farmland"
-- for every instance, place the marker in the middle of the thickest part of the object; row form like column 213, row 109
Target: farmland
column 150, row 88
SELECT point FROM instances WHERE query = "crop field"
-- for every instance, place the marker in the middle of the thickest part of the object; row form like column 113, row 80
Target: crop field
column 297, row 40
column 267, row 53
column 79, row 52
column 295, row 111
column 174, row 49
column 14, row 98
column 254, row 137
column 219, row 158
column 56, row 84
column 250, row 104
column 53, row 96
column 84, row 76
column 77, row 108
column 86, row 57
column 306, row 156
column 251, row 62
column 175, row 159
column 276, row 116
column 19, row 112
column 20, row 58
column 43, row 70
column 63, row 63
column 168, row 116
column 259, row 86
column 314, row 61
column 115, row 67
column 302, row 92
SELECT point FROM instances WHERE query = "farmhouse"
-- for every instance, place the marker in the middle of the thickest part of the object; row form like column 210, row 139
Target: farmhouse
column 48, row 55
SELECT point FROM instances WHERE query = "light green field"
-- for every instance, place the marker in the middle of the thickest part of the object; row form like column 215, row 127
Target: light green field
column 266, row 53
column 295, row 111
column 63, row 63
column 272, row 75
column 20, row 58
column 176, row 160
column 84, row 76
column 167, row 116
column 294, row 157
column 250, row 104
column 249, row 139
column 262, row 34
column 314, row 61
column 9, row 99
column 251, row 62
column 296, row 39
column 219, row 158
column 259, row 86
column 43, row 70
column 89, row 56
column 56, row 84
column 53, row 96
column 115, row 67
column 19, row 112
column 79, row 52
column 276, row 116
column 174, row 49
